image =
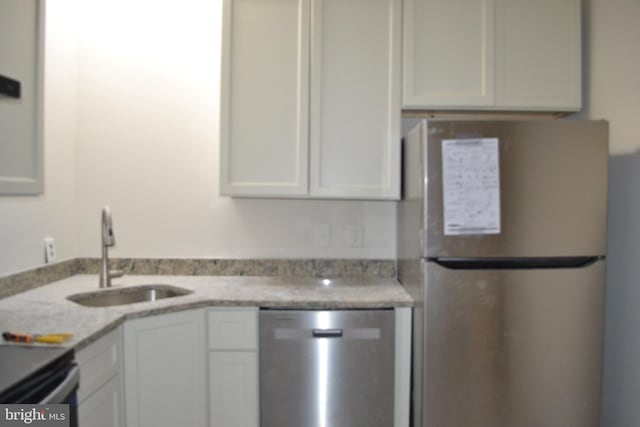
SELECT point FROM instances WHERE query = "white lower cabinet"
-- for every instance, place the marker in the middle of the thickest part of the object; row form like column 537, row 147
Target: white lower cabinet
column 233, row 367
column 233, row 389
column 192, row 368
column 180, row 370
column 100, row 402
column 165, row 366
column 104, row 408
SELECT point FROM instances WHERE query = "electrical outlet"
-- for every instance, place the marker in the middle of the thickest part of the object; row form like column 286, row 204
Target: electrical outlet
column 49, row 250
column 321, row 235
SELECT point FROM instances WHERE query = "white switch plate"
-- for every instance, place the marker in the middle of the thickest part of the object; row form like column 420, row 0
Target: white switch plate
column 354, row 235
column 49, row 250
column 321, row 235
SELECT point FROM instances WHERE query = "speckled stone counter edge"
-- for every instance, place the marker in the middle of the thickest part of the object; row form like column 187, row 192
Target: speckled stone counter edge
column 333, row 268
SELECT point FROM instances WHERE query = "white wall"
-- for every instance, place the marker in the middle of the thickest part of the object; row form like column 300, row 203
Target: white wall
column 148, row 110
column 131, row 120
column 148, row 145
column 613, row 92
column 25, row 221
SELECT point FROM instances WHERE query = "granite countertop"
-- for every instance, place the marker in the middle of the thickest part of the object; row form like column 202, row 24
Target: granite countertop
column 47, row 310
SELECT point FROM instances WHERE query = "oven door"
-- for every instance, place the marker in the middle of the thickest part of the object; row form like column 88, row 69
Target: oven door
column 39, row 376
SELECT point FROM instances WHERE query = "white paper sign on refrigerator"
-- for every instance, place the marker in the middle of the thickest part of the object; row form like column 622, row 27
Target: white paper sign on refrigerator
column 471, row 186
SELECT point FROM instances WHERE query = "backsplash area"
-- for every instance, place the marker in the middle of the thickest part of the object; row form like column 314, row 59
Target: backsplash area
column 20, row 282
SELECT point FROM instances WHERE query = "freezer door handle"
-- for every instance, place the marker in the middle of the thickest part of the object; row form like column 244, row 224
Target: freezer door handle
column 515, row 263
column 327, row 333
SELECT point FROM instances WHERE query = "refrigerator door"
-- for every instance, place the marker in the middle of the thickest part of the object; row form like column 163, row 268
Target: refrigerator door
column 512, row 348
column 551, row 196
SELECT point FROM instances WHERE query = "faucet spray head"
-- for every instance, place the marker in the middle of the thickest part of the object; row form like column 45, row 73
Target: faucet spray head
column 108, row 239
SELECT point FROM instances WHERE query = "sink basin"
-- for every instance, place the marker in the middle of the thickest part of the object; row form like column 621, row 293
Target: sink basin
column 143, row 293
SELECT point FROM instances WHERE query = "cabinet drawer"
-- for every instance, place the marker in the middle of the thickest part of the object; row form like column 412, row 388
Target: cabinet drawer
column 98, row 362
column 233, row 329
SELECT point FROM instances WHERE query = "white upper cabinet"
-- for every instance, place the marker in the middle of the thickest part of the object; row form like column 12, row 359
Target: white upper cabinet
column 492, row 55
column 448, row 51
column 311, row 98
column 538, row 54
column 265, row 85
column 355, row 98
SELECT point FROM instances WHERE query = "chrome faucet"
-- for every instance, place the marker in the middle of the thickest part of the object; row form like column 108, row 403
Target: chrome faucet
column 108, row 239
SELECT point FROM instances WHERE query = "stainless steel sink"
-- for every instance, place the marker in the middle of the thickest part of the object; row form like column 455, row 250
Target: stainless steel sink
column 143, row 293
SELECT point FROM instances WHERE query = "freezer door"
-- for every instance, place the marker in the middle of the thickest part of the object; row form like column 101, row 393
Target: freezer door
column 552, row 189
column 512, row 348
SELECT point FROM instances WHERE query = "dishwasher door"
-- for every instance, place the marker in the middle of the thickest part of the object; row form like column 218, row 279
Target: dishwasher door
column 326, row 368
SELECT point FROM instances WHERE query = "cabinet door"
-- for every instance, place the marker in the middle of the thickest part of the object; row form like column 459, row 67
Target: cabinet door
column 104, row 407
column 264, row 107
column 355, row 98
column 233, row 388
column 538, row 54
column 99, row 362
column 100, row 402
column 448, row 53
column 165, row 365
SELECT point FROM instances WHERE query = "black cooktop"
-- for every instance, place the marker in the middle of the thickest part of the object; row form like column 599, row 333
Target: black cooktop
column 24, row 369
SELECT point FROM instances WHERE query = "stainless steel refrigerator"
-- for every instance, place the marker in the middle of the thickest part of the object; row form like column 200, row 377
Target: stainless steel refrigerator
column 502, row 243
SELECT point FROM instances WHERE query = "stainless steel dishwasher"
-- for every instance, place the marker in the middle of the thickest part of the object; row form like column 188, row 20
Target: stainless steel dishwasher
column 326, row 368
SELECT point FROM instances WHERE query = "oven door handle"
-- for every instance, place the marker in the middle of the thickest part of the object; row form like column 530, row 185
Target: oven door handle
column 65, row 388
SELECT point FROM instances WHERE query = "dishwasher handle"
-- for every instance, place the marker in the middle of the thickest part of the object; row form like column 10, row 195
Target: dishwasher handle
column 327, row 333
